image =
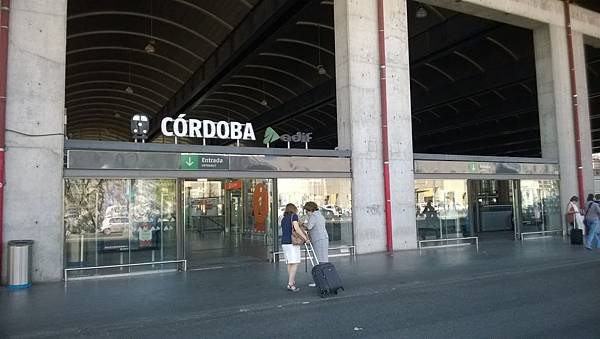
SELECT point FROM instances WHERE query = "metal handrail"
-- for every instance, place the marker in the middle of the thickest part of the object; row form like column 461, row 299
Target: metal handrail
column 184, row 261
column 448, row 239
column 538, row 232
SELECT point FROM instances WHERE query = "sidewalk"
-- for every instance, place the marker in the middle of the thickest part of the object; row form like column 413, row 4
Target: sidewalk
column 92, row 306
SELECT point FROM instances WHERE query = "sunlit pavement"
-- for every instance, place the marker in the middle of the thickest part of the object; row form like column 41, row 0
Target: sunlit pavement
column 541, row 288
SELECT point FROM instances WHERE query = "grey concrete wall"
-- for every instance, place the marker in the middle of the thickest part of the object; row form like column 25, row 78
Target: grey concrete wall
column 526, row 13
column 34, row 141
column 359, row 120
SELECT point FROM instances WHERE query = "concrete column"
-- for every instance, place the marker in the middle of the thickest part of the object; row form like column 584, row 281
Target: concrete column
column 34, row 141
column 359, row 120
column 555, row 109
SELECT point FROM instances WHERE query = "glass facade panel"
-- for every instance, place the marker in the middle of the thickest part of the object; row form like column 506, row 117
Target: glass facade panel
column 332, row 195
column 441, row 209
column 118, row 221
column 540, row 206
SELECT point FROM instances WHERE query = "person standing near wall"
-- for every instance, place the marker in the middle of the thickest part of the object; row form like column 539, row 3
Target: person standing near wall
column 318, row 232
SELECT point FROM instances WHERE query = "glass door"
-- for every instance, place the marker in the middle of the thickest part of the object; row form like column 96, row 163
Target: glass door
column 227, row 220
column 540, row 206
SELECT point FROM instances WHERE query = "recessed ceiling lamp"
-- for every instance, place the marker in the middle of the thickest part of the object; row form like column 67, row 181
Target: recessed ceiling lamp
column 421, row 13
column 264, row 102
column 129, row 90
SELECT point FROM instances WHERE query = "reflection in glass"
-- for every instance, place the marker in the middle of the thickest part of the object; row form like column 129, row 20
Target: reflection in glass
column 540, row 206
column 118, row 221
column 441, row 209
column 227, row 220
column 332, row 195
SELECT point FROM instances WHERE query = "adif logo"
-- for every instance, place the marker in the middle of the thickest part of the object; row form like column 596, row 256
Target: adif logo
column 271, row 136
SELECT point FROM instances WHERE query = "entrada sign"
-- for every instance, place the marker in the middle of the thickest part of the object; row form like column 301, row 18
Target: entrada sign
column 188, row 161
column 207, row 129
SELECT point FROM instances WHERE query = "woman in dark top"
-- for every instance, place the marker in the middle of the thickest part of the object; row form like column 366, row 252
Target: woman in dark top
column 291, row 251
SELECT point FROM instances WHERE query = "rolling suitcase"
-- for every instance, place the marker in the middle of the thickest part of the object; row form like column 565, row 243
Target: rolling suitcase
column 576, row 236
column 325, row 276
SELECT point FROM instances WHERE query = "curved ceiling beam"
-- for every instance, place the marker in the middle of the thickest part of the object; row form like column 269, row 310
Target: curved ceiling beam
column 110, row 90
column 240, row 76
column 469, row 60
column 100, row 126
column 420, row 84
column 503, row 47
column 314, row 24
column 246, row 3
column 143, row 35
column 123, row 83
column 333, row 117
column 253, row 89
column 113, row 61
column 85, row 112
column 146, row 16
column 305, row 43
column 146, row 109
column 275, row 69
column 99, row 104
column 439, row 70
column 288, row 57
column 207, row 13
column 239, row 96
column 119, row 48
column 232, row 102
column 242, row 117
column 135, row 75
column 96, row 132
column 203, row 114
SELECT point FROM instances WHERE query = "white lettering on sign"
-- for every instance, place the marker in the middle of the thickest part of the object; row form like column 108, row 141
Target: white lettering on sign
column 208, row 129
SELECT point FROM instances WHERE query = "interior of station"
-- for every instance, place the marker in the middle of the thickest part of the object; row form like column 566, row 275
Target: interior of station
column 473, row 93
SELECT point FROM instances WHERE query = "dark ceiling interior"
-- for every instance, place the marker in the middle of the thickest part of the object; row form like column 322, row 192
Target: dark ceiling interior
column 472, row 80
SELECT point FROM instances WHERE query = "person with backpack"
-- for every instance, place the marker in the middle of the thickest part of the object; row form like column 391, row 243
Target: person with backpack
column 592, row 218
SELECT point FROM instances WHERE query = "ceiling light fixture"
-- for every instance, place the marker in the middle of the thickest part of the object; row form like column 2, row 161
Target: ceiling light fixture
column 128, row 89
column 150, row 48
column 421, row 13
column 320, row 68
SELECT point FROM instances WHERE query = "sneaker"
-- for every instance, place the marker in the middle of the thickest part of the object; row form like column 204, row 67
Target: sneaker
column 312, row 285
column 292, row 288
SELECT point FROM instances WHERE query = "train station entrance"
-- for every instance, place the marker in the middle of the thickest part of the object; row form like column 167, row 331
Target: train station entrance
column 149, row 207
column 485, row 202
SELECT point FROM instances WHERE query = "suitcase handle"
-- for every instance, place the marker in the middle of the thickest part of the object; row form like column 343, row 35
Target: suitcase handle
column 313, row 255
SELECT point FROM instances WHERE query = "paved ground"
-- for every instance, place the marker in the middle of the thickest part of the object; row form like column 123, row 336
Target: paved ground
column 543, row 289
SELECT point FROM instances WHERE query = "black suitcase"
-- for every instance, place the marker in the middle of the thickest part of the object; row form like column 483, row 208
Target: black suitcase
column 576, row 236
column 326, row 279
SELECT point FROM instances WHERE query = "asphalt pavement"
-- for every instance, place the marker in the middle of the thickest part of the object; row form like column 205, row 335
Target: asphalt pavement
column 543, row 288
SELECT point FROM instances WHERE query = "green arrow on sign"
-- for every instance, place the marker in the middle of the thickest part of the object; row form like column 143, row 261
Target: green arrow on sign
column 188, row 162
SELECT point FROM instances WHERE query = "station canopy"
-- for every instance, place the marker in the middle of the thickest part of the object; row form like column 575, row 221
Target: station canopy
column 272, row 63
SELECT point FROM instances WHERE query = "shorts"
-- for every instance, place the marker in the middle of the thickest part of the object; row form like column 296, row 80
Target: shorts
column 292, row 253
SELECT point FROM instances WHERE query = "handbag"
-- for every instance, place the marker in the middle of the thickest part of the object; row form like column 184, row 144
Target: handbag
column 297, row 239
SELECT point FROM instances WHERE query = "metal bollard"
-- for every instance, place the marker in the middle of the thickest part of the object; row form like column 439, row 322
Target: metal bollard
column 19, row 263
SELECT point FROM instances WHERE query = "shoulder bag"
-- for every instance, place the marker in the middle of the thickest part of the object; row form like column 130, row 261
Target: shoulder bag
column 297, row 239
